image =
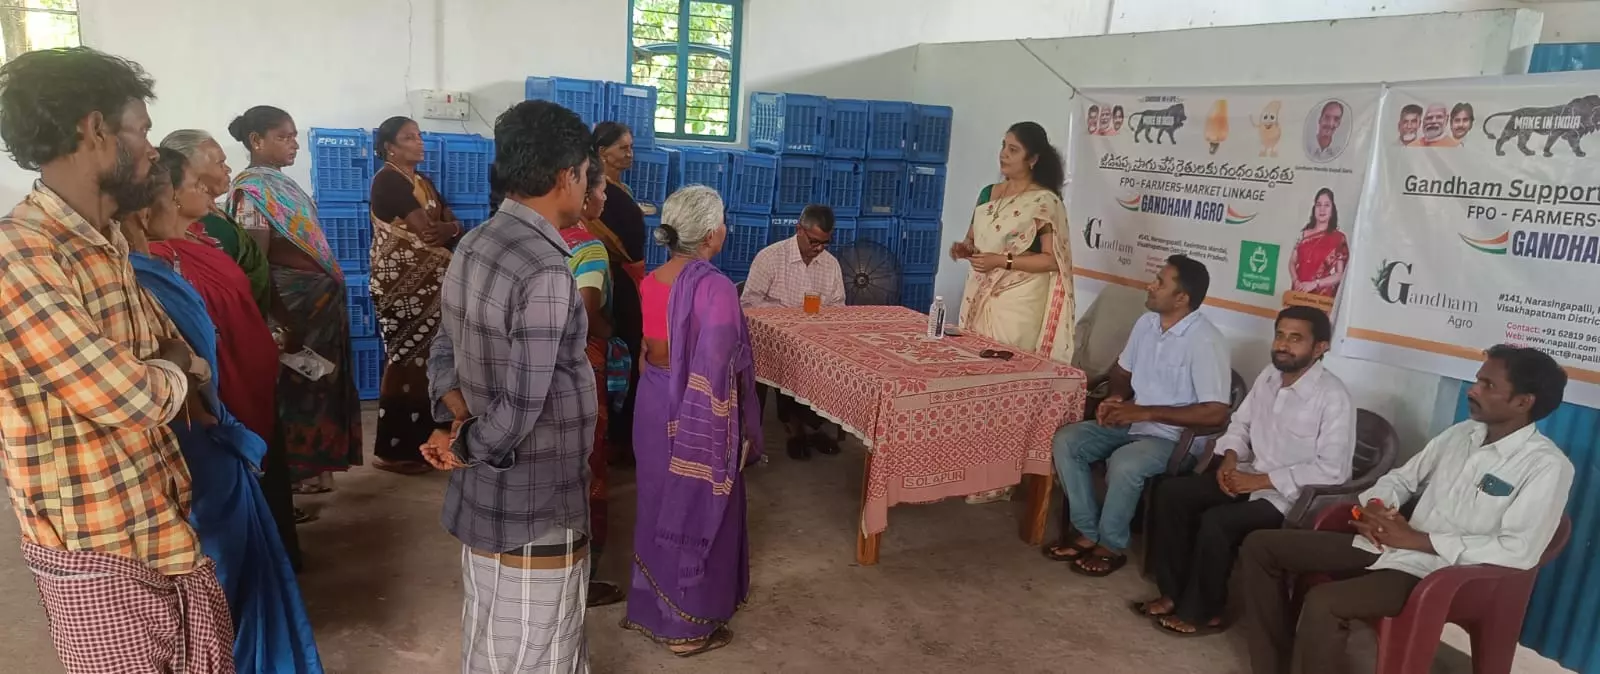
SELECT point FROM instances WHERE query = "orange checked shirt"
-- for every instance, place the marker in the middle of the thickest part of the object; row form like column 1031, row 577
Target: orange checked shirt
column 88, row 459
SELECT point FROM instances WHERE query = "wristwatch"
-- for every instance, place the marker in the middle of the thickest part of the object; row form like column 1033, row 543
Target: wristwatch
column 1009, row 260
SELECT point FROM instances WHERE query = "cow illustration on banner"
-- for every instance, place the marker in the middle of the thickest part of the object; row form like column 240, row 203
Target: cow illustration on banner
column 1261, row 184
column 1481, row 231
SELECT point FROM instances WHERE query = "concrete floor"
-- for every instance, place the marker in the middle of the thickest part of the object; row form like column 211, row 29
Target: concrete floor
column 956, row 591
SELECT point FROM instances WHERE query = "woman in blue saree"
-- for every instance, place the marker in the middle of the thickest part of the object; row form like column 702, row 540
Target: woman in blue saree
column 696, row 426
column 229, row 509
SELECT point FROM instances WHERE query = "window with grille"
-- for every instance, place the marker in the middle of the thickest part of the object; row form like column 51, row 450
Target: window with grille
column 26, row 25
column 689, row 51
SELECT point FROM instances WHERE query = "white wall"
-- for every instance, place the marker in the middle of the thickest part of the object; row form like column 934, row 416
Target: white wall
column 994, row 84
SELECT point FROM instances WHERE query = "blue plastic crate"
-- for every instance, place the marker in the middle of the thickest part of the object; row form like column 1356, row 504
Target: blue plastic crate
column 649, row 177
column 358, row 303
column 840, row 186
column 781, row 227
column 798, row 178
column 655, row 254
column 788, row 123
column 891, row 124
column 849, row 127
column 924, row 192
column 930, row 134
column 884, row 231
column 755, row 183
column 366, row 356
column 919, row 247
column 883, row 187
column 466, row 168
column 470, row 216
column 747, row 235
column 701, row 166
column 432, row 156
column 845, row 233
column 916, row 292
column 1561, row 57
column 341, row 164
column 348, row 228
column 585, row 97
column 635, row 106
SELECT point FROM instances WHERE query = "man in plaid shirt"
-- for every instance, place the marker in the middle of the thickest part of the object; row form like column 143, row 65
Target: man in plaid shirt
column 509, row 368
column 88, row 384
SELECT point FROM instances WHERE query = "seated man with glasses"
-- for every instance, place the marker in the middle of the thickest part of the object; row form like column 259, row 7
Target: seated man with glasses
column 782, row 275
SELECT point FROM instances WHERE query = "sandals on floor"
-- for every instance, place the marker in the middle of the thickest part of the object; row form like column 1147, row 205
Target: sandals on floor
column 1199, row 630
column 1143, row 609
column 304, row 516
column 721, row 637
column 604, row 594
column 823, row 444
column 307, row 489
column 1111, row 563
column 403, row 467
column 1070, row 552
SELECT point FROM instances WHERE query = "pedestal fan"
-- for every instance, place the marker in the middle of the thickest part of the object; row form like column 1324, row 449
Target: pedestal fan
column 871, row 273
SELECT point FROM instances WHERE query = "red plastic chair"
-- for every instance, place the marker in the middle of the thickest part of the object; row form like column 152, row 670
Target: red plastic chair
column 1488, row 601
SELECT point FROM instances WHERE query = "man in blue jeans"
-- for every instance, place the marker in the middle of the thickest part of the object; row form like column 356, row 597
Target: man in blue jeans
column 1173, row 373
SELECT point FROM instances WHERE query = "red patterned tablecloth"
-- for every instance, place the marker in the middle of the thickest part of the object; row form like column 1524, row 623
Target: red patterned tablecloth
column 939, row 420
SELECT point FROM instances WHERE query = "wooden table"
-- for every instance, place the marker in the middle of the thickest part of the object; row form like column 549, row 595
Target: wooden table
column 938, row 421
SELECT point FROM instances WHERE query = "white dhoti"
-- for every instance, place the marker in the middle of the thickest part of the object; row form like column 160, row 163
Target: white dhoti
column 523, row 614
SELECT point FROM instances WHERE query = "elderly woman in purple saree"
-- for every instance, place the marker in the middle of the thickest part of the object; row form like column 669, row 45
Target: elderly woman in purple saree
column 697, row 425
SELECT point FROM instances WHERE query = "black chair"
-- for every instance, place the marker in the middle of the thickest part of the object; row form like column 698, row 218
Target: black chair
column 1377, row 448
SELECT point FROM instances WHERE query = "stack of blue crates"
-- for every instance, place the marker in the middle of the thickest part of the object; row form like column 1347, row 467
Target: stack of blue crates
column 343, row 162
column 879, row 164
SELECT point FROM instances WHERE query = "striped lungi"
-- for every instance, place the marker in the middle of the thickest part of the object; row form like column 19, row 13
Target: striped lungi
column 113, row 614
column 523, row 610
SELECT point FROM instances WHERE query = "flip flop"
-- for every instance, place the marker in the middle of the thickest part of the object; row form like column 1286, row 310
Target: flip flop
column 824, row 445
column 1111, row 562
column 1143, row 609
column 721, row 637
column 1071, row 552
column 1199, row 630
column 304, row 516
column 603, row 594
column 310, row 489
column 403, row 467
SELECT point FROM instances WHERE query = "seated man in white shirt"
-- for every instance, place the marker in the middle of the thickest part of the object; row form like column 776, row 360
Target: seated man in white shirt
column 1296, row 428
column 781, row 275
column 1496, row 488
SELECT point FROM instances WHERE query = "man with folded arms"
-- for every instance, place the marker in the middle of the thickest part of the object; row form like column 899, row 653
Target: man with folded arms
column 1296, row 428
column 1496, row 488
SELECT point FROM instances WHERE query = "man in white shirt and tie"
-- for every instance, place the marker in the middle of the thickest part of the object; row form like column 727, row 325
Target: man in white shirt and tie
column 1296, row 428
column 1496, row 488
column 781, row 275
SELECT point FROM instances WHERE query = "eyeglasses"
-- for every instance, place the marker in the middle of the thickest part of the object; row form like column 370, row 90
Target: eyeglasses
column 814, row 241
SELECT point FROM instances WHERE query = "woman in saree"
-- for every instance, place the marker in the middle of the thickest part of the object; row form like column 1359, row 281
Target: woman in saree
column 1319, row 257
column 1020, row 289
column 320, row 419
column 412, row 232
column 228, row 510
column 591, row 268
column 208, row 164
column 621, row 228
column 697, row 426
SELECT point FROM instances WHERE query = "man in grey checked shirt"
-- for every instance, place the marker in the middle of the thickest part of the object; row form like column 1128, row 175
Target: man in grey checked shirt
column 509, row 369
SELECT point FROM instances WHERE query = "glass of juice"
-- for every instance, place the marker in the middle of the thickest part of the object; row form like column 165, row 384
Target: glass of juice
column 813, row 303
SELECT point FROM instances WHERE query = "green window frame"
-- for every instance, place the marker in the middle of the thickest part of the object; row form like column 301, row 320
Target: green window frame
column 689, row 51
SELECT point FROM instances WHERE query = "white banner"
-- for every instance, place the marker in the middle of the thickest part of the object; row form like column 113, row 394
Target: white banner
column 1259, row 183
column 1482, row 227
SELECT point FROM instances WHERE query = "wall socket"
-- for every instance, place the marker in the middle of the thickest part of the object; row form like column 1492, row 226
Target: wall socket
column 455, row 106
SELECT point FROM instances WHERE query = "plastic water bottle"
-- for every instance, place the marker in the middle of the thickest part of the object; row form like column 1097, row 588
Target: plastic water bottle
column 936, row 318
